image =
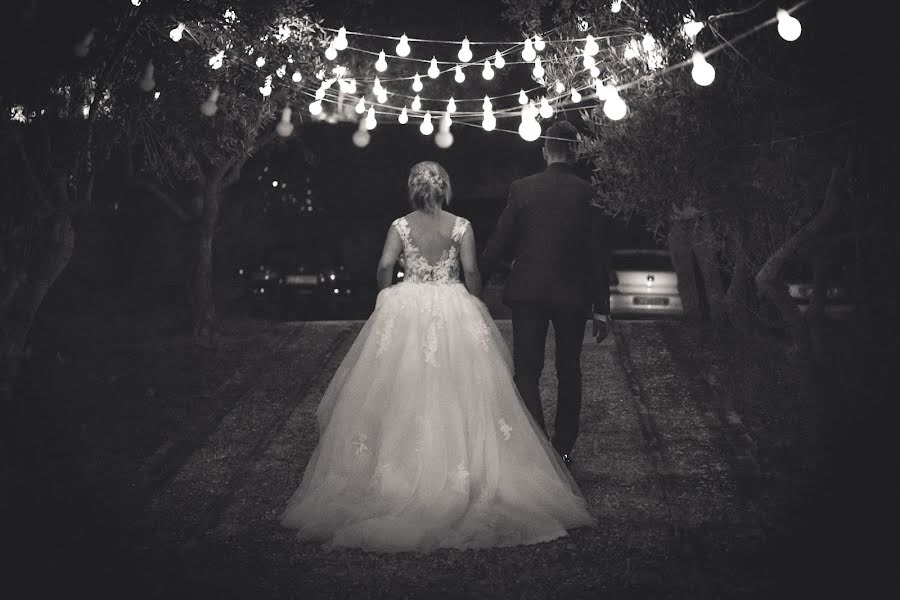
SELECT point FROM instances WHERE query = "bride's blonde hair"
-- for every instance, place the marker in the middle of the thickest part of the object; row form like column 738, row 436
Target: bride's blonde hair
column 429, row 186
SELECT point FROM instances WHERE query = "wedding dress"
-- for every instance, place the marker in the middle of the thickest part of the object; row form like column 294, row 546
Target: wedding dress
column 424, row 442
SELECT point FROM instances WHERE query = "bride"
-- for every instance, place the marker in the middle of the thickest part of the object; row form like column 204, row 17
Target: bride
column 424, row 441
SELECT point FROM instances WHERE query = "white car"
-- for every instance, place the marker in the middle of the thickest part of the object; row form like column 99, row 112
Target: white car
column 643, row 282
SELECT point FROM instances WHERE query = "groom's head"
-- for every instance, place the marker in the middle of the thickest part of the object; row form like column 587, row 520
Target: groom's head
column 560, row 143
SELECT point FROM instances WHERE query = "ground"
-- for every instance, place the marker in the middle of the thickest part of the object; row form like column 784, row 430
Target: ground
column 147, row 467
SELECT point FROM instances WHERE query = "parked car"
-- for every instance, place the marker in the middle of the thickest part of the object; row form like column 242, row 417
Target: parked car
column 287, row 276
column 798, row 274
column 643, row 282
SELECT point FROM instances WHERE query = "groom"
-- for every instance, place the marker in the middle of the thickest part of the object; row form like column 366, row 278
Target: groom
column 559, row 275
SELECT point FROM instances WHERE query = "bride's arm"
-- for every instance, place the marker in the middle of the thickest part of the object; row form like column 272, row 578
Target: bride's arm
column 470, row 262
column 392, row 248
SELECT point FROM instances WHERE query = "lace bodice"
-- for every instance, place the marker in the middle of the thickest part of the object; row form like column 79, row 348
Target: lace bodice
column 418, row 269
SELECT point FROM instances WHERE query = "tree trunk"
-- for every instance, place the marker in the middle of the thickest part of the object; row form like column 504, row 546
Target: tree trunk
column 16, row 320
column 200, row 293
column 681, row 249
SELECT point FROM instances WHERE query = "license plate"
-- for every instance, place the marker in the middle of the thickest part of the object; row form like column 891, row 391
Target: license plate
column 301, row 279
column 653, row 300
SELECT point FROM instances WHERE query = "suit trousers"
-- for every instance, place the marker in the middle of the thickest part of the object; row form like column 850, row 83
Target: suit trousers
column 530, row 324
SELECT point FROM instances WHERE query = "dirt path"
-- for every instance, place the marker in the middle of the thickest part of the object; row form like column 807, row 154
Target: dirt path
column 655, row 460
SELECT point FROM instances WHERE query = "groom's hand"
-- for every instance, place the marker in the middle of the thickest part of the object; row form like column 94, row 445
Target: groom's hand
column 600, row 327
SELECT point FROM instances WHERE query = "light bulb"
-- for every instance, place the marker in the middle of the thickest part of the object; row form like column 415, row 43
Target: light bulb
column 340, row 42
column 451, row 105
column 320, row 93
column 486, row 105
column 588, row 61
column 465, row 53
column 351, row 87
column 529, row 128
column 692, row 28
column 217, row 60
column 590, row 46
column 136, row 2
column 546, row 111
column 460, row 76
column 297, row 77
column 361, row 137
column 487, row 73
column 602, row 90
column 523, row 99
column 331, row 52
column 261, row 62
column 417, row 83
column 381, row 63
column 595, row 71
column 538, row 70
column 403, row 46
column 499, row 61
column 559, row 87
column 209, row 106
column 175, row 34
column 361, row 106
column 433, row 70
column 616, row 6
column 443, row 139
column 788, row 26
column 285, row 128
column 266, row 89
column 445, row 122
column 489, row 122
column 371, row 123
column 614, row 107
column 539, row 43
column 156, row 96
column 376, row 86
column 382, row 97
column 315, row 108
column 426, row 128
column 416, row 103
column 528, row 53
column 703, row 72
column 404, row 116
column 576, row 97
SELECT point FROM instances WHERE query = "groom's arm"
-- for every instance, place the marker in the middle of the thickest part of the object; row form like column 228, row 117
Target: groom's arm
column 599, row 260
column 502, row 242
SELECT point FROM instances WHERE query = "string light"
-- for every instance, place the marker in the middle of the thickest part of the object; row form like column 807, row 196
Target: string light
column 539, row 43
column 426, row 128
column 261, row 62
column 703, row 72
column 451, row 105
column 528, row 53
column 176, row 32
column 361, row 136
column 691, row 28
column 588, row 61
column 489, row 122
column 416, row 103
column 523, row 98
column 404, row 116
column 382, row 97
column 156, row 96
column 459, row 77
column 403, row 48
column 614, row 107
column 602, row 90
column 576, row 97
column 361, row 106
column 529, row 128
column 266, row 89
column 381, row 63
column 376, row 87
column 371, row 123
column 546, row 111
column 595, row 71
column 559, row 87
column 417, row 83
column 538, row 70
column 136, row 2
column 499, row 61
column 297, row 77
column 315, row 108
column 788, row 26
column 487, row 73
column 590, row 46
column 331, row 52
column 340, row 42
column 616, row 6
column 285, row 128
column 444, row 139
column 465, row 53
column 433, row 70
column 210, row 106
column 486, row 105
column 351, row 86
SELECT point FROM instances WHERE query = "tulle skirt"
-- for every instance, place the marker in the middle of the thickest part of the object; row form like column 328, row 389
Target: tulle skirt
column 424, row 441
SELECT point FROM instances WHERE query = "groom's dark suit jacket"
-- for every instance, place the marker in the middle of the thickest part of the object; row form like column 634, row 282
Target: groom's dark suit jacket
column 557, row 240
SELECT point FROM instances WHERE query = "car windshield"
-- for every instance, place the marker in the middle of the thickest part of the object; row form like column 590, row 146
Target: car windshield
column 641, row 262
column 297, row 256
